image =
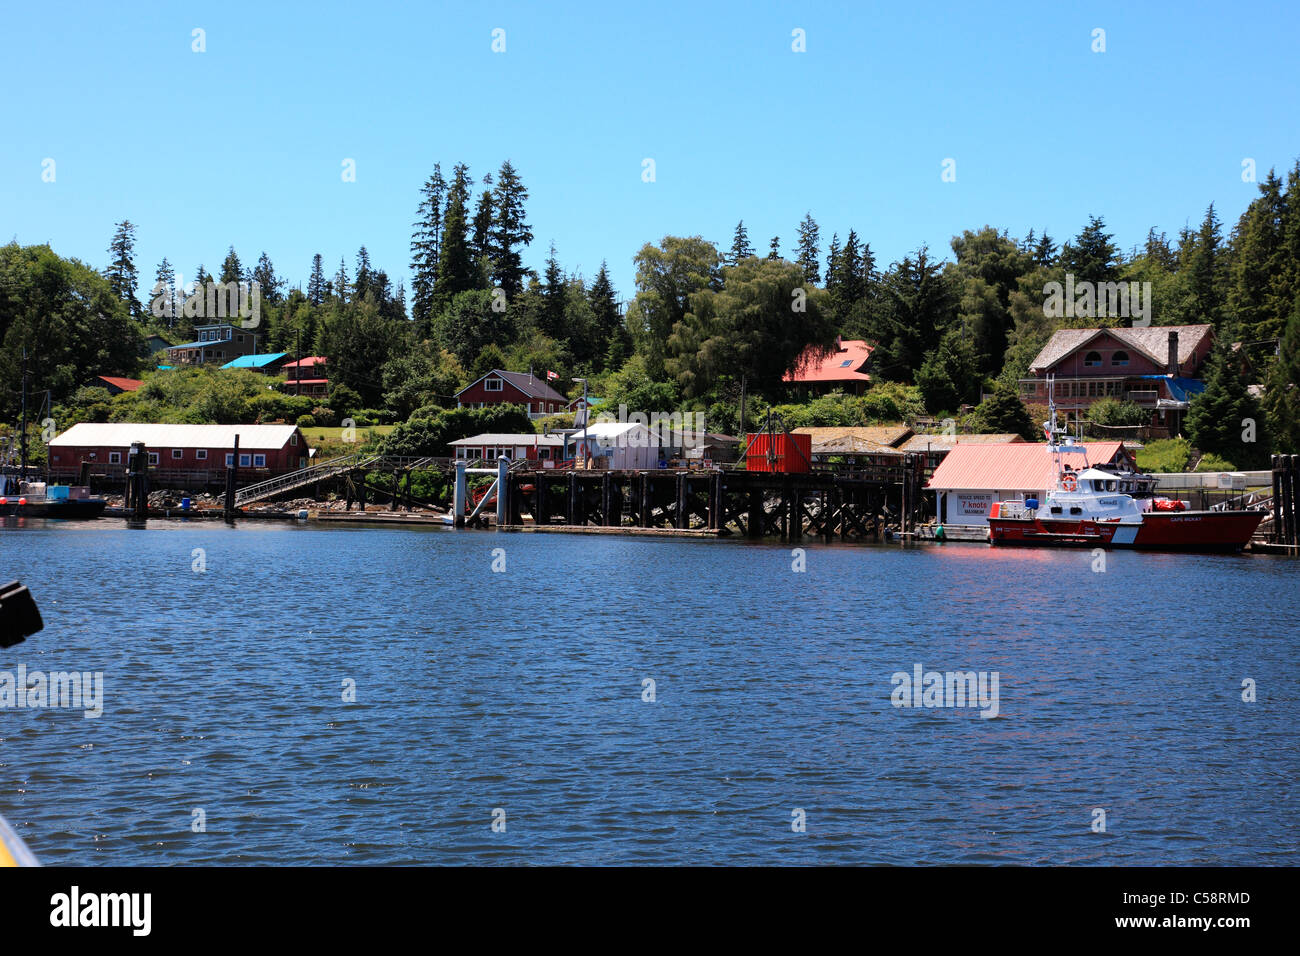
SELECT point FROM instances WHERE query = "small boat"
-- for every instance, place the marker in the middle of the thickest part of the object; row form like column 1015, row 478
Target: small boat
column 35, row 499
column 1101, row 507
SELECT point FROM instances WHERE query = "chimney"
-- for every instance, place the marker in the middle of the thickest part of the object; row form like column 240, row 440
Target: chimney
column 839, row 343
column 1173, row 354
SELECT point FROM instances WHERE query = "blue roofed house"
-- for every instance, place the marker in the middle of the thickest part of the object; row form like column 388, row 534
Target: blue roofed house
column 219, row 342
column 268, row 364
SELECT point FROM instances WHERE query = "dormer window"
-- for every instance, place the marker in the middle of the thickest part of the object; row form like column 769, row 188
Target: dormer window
column 1119, row 358
column 492, row 385
column 1092, row 360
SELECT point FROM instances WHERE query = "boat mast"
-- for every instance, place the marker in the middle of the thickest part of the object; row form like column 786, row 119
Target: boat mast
column 22, row 434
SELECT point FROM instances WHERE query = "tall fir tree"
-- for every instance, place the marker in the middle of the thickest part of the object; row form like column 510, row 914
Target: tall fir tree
column 774, row 248
column 342, row 285
column 268, row 282
column 426, row 240
column 232, row 270
column 163, row 303
column 609, row 322
column 510, row 232
column 1225, row 415
column 316, row 284
column 481, row 240
column 740, row 247
column 1091, row 256
column 121, row 272
column 551, row 319
column 456, row 261
column 364, row 283
column 1207, row 274
column 808, row 250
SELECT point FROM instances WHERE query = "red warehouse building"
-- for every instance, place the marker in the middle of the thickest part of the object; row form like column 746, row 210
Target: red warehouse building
column 513, row 388
column 264, row 450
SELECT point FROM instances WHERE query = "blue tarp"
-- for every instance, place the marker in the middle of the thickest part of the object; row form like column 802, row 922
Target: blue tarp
column 1180, row 389
column 256, row 361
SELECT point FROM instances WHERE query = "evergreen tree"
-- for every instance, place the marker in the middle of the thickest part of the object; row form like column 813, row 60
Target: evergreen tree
column 808, row 250
column 341, row 282
column 551, row 320
column 509, row 232
column 1222, row 415
column 949, row 376
column 364, row 283
column 608, row 321
column 426, row 239
column 316, row 284
column 1045, row 251
column 232, row 270
column 456, row 272
column 918, row 305
column 1257, row 296
column 121, row 272
column 834, row 276
column 165, row 304
column 481, row 243
column 1206, row 273
column 1282, row 396
column 1158, row 251
column 740, row 247
column 1092, row 257
column 856, row 266
column 268, row 282
column 774, row 248
column 1003, row 413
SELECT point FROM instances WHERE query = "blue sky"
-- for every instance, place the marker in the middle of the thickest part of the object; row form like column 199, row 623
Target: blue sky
column 244, row 144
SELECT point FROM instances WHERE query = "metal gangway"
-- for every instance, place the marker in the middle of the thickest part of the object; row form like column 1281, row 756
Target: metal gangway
column 330, row 469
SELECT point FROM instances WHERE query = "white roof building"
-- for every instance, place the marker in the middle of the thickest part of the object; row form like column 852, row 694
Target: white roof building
column 123, row 434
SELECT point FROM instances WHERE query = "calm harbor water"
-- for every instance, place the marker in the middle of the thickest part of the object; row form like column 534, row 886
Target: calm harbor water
column 522, row 691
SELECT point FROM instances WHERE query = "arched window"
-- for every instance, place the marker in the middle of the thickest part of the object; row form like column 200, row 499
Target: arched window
column 1119, row 358
column 1092, row 359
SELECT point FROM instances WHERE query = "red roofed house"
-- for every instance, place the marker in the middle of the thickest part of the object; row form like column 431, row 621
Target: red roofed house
column 307, row 377
column 972, row 476
column 843, row 369
column 115, row 384
column 499, row 387
column 1157, row 368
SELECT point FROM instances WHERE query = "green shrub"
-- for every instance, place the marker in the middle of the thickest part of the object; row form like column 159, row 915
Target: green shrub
column 1211, row 462
column 1169, row 454
column 306, row 421
column 1109, row 411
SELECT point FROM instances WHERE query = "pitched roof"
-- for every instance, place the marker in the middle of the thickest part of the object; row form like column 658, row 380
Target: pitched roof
column 125, row 384
column 504, row 438
column 307, row 362
column 530, row 385
column 1022, row 466
column 940, row 441
column 256, row 361
column 122, row 434
column 879, row 434
column 1151, row 342
column 844, row 363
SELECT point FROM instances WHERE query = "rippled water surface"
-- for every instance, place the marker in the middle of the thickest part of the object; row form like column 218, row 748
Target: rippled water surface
column 522, row 690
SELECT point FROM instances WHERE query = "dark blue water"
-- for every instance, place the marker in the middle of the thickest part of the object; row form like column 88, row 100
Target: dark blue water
column 522, row 690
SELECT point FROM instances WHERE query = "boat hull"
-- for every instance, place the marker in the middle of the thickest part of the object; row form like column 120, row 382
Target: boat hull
column 1203, row 531
column 67, row 508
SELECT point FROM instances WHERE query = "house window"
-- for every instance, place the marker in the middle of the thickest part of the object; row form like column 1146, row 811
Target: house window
column 293, row 439
column 115, row 458
column 244, row 461
column 177, row 454
column 1092, row 359
column 153, row 458
column 230, row 459
column 1119, row 358
column 492, row 385
column 239, row 338
column 259, row 461
column 201, row 454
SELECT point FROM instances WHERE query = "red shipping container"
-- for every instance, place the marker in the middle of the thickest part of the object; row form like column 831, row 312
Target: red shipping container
column 793, row 453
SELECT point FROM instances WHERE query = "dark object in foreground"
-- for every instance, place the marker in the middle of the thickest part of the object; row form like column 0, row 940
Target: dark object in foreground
column 19, row 616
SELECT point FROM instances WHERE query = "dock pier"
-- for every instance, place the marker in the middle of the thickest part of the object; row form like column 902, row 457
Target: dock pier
column 831, row 505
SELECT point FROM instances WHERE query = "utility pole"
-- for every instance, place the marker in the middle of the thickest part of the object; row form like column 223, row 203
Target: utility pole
column 297, row 365
column 23, row 434
column 742, row 406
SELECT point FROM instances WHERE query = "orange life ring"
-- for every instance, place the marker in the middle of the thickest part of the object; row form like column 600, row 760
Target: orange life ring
column 1069, row 483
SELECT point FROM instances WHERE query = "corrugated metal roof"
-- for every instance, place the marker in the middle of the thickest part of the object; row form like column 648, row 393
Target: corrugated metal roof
column 504, row 438
column 125, row 384
column 878, row 434
column 1023, row 466
column 940, row 441
column 122, row 434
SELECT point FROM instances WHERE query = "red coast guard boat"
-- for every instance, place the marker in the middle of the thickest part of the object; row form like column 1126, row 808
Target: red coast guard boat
column 1107, row 508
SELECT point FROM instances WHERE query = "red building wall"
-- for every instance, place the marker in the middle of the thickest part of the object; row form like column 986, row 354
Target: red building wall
column 508, row 395
column 67, row 459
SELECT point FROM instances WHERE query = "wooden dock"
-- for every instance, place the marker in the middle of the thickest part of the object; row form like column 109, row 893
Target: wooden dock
column 827, row 504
